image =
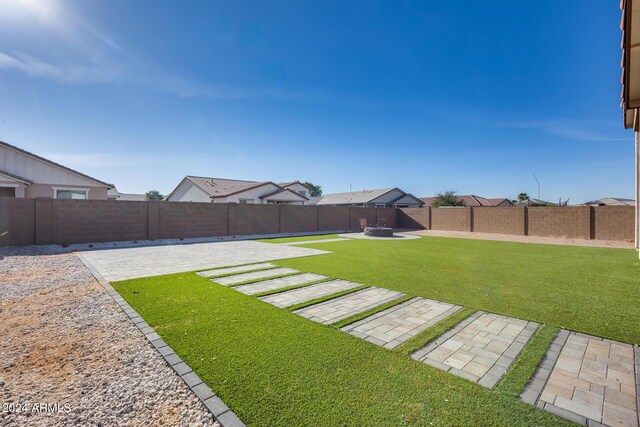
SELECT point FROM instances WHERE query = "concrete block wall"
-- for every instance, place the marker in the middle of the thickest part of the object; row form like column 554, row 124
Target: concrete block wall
column 582, row 222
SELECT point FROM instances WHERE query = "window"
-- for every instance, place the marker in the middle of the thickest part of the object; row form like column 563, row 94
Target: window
column 303, row 193
column 246, row 201
column 71, row 194
column 380, row 205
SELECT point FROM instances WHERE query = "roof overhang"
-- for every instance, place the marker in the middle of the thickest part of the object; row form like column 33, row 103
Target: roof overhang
column 284, row 195
column 630, row 26
column 11, row 177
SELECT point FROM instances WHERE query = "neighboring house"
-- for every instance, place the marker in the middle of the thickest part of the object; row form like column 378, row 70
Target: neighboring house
column 610, row 201
column 26, row 175
column 475, row 201
column 538, row 202
column 384, row 197
column 114, row 194
column 219, row 190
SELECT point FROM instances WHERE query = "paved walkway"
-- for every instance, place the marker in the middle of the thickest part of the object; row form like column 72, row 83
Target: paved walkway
column 340, row 308
column 282, row 282
column 481, row 348
column 234, row 270
column 392, row 327
column 254, row 275
column 308, row 293
column 588, row 380
column 131, row 263
column 308, row 242
column 526, row 239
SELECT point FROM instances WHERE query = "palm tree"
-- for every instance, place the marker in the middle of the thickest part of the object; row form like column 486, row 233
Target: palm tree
column 522, row 197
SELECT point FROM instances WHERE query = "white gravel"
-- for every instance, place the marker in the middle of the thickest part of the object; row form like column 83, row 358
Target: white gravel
column 66, row 342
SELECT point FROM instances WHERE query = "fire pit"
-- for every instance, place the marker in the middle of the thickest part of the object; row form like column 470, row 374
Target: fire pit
column 378, row 231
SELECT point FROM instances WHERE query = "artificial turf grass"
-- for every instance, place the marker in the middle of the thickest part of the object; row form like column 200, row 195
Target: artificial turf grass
column 275, row 368
column 525, row 365
column 585, row 289
column 299, row 238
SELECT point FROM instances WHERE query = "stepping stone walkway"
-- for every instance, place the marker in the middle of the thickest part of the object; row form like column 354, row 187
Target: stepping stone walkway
column 256, row 275
column 308, row 293
column 340, row 308
column 232, row 270
column 395, row 325
column 588, row 380
column 282, row 282
column 480, row 348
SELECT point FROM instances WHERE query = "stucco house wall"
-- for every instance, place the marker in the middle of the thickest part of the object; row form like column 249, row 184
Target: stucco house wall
column 187, row 191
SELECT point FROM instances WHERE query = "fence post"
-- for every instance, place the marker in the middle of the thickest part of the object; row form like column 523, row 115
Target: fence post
column 521, row 220
column 586, row 223
column 44, row 221
column 153, row 220
column 470, row 219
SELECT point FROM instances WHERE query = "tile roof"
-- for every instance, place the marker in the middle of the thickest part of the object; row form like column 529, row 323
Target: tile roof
column 220, row 187
column 471, row 200
column 357, row 197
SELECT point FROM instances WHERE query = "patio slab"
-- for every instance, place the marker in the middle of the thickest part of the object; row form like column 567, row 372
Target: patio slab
column 480, row 348
column 590, row 380
column 282, row 282
column 340, row 308
column 131, row 263
column 232, row 270
column 308, row 293
column 254, row 275
column 392, row 327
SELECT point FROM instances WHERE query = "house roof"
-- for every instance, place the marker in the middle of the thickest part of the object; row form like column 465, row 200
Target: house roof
column 471, row 200
column 611, row 201
column 42, row 159
column 283, row 190
column 630, row 26
column 290, row 183
column 354, row 197
column 16, row 177
column 221, row 187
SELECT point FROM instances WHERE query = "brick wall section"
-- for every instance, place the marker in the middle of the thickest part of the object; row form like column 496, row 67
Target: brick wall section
column 46, row 221
column 558, row 221
column 332, row 218
column 296, row 219
column 415, row 218
column 17, row 221
column 363, row 217
column 613, row 223
column 184, row 220
column 257, row 219
column 453, row 219
column 80, row 221
column 497, row 220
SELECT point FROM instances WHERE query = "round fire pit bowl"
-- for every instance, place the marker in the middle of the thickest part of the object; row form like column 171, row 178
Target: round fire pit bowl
column 378, row 231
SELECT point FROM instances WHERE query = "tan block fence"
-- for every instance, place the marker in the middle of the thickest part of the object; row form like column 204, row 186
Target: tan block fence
column 44, row 221
column 582, row 222
column 48, row 221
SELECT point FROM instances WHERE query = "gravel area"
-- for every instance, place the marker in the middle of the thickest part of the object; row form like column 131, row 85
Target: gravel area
column 66, row 342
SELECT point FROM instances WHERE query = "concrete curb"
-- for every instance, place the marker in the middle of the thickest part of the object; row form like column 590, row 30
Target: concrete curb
column 220, row 411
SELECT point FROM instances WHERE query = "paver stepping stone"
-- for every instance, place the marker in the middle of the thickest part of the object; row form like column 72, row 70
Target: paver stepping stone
column 240, row 269
column 308, row 293
column 282, row 282
column 340, row 308
column 392, row 327
column 256, row 275
column 480, row 348
column 588, row 380
column 307, row 242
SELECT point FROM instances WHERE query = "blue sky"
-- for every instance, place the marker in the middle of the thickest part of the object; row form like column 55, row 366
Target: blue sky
column 426, row 96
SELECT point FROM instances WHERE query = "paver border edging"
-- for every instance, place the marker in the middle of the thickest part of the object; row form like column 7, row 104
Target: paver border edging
column 220, row 411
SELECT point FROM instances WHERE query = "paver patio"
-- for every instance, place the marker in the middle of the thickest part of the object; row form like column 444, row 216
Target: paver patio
column 308, row 293
column 131, row 263
column 593, row 381
column 480, row 348
column 282, row 282
column 340, row 308
column 255, row 275
column 232, row 270
column 392, row 327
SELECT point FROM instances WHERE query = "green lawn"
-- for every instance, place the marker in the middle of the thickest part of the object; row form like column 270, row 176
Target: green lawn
column 591, row 290
column 277, row 369
column 274, row 368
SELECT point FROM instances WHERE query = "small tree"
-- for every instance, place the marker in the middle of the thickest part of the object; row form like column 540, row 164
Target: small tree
column 153, row 195
column 314, row 190
column 447, row 198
